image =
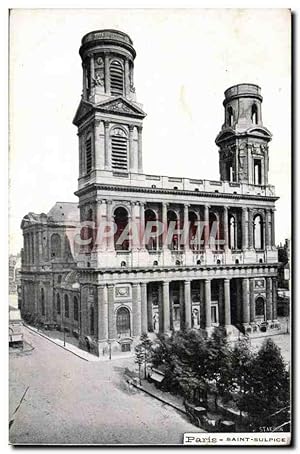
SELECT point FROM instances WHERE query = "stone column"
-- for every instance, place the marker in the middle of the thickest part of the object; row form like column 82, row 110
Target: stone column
column 32, row 248
column 221, row 302
column 111, row 313
column 142, row 225
column 199, row 232
column 238, row 301
column 246, row 308
column 166, row 307
column 207, row 304
column 206, row 227
column 144, row 314
column 227, row 302
column 92, row 72
column 140, row 156
column 106, row 76
column 269, row 299
column 126, row 78
column 165, row 224
column 110, row 219
column 225, row 220
column 107, row 157
column 187, row 304
column 274, row 291
column 273, row 228
column 131, row 148
column 250, row 228
column 267, row 230
column 186, row 236
column 102, row 312
column 136, row 310
column 252, row 301
column 182, row 305
column 40, row 243
column 245, row 229
column 149, row 309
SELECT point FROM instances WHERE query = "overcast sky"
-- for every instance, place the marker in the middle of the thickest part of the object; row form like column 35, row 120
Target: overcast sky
column 185, row 60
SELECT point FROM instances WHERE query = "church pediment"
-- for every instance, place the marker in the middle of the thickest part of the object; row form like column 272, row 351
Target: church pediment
column 260, row 131
column 83, row 109
column 120, row 106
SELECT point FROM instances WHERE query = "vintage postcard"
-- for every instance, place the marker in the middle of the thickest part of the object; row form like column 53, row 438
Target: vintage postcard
column 150, row 227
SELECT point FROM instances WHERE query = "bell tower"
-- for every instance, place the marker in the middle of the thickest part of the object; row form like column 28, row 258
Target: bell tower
column 109, row 120
column 243, row 140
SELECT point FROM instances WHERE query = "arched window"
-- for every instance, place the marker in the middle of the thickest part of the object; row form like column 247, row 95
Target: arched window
column 172, row 221
column 258, row 232
column 119, row 149
column 155, row 263
column 123, row 263
column 121, row 220
column 88, row 155
column 214, row 231
column 76, row 309
column 92, row 320
column 260, row 307
column 232, row 233
column 230, row 116
column 150, row 219
column 116, row 78
column 58, row 306
column 67, row 308
column 254, row 118
column 257, row 171
column 42, row 301
column 123, row 321
column 55, row 245
column 193, row 230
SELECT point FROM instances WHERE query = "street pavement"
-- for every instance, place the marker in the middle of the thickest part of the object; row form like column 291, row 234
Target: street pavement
column 72, row 401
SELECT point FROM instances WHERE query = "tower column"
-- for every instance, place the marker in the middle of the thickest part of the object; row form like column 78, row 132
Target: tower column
column 166, row 307
column 107, row 158
column 165, row 225
column 252, row 301
column 207, row 304
column 274, row 291
column 187, row 304
column 227, row 302
column 92, row 72
column 250, row 228
column 225, row 220
column 245, row 229
column 273, row 228
column 131, row 149
column 111, row 313
column 142, row 225
column 144, row 313
column 269, row 299
column 136, row 310
column 106, row 75
column 150, row 308
column 246, row 308
column 102, row 312
column 206, row 227
column 267, row 230
column 140, row 156
column 186, row 228
column 127, row 83
column 110, row 220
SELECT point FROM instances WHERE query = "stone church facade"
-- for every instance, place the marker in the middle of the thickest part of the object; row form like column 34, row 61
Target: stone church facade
column 107, row 290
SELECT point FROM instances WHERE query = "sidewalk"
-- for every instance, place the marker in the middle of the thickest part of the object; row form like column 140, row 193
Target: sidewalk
column 76, row 350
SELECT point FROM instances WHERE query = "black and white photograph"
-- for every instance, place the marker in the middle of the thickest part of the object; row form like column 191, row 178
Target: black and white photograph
column 150, row 227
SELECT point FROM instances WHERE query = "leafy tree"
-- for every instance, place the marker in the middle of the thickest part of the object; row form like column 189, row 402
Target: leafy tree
column 266, row 388
column 241, row 364
column 139, row 359
column 218, row 366
column 146, row 348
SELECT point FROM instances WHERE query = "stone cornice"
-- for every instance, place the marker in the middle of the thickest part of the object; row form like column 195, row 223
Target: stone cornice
column 157, row 269
column 148, row 190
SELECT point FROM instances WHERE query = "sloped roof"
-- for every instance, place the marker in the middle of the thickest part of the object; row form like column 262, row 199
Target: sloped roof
column 64, row 212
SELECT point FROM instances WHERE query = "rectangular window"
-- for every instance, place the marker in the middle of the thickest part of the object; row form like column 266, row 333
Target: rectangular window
column 214, row 314
column 257, row 171
column 125, row 347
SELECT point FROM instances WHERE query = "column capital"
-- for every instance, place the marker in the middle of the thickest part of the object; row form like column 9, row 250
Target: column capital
column 227, row 280
column 130, row 127
column 101, row 286
column 110, row 286
column 140, row 129
column 106, row 124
